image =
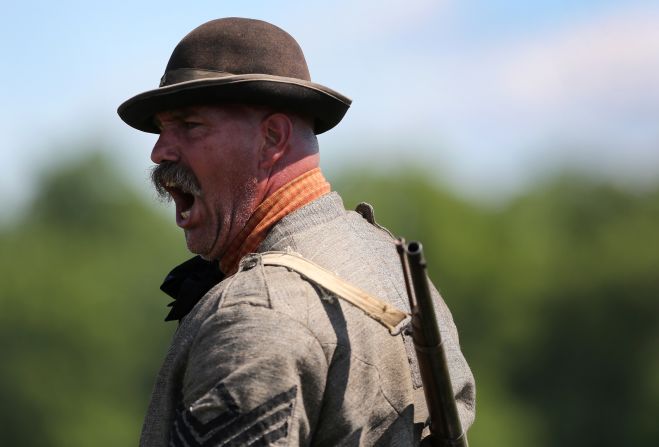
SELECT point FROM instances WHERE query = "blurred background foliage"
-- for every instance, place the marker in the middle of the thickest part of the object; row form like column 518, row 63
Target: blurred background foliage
column 554, row 292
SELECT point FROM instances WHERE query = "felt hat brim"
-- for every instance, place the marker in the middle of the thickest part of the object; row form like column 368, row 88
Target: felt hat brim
column 326, row 106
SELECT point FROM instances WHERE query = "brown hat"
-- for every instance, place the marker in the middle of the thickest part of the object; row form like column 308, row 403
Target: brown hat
column 241, row 61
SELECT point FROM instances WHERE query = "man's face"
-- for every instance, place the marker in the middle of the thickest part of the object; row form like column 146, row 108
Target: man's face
column 216, row 149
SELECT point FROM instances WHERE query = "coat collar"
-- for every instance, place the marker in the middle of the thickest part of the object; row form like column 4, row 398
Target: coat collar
column 190, row 281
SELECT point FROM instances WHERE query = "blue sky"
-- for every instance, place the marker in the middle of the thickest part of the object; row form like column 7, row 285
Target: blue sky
column 491, row 92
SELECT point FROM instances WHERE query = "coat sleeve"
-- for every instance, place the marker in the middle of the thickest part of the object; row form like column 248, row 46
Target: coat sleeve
column 254, row 377
column 462, row 379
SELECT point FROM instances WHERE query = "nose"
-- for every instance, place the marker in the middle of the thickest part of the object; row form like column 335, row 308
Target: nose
column 165, row 149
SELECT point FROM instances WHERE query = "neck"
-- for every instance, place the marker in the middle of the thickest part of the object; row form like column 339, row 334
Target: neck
column 295, row 194
column 284, row 173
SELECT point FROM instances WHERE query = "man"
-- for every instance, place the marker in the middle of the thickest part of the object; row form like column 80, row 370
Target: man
column 264, row 354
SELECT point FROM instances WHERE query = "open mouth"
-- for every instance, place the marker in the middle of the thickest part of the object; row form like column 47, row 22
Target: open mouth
column 177, row 182
column 183, row 200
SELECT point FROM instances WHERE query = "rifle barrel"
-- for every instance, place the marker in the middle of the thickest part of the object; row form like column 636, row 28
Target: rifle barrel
column 445, row 426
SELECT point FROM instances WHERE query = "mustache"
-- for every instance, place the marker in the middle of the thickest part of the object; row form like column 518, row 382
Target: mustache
column 173, row 175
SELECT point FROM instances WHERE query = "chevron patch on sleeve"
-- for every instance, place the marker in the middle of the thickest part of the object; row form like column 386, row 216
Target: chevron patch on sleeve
column 265, row 425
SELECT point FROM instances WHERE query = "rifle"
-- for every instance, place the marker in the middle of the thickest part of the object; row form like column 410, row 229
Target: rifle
column 445, row 427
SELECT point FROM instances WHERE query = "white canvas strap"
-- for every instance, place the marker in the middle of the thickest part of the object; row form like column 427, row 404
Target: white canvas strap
column 386, row 314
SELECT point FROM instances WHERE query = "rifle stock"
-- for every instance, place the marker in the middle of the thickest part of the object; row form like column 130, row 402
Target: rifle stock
column 445, row 427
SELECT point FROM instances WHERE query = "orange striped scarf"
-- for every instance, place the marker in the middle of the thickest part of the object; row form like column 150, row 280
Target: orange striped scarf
column 293, row 195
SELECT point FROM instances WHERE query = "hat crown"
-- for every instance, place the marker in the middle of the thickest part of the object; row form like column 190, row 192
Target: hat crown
column 240, row 46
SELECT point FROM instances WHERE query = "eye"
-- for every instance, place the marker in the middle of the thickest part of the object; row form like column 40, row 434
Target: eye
column 189, row 124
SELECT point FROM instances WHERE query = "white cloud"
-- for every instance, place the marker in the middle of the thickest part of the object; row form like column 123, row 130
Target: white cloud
column 613, row 61
column 583, row 95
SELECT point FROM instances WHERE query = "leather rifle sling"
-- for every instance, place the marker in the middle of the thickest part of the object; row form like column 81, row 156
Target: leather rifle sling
column 385, row 314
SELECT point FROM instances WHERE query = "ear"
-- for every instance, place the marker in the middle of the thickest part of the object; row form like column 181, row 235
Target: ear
column 276, row 130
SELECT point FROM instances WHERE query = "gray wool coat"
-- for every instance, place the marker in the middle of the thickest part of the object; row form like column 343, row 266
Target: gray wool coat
column 268, row 358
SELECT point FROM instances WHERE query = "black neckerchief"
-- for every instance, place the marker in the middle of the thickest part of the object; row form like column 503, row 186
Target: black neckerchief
column 187, row 283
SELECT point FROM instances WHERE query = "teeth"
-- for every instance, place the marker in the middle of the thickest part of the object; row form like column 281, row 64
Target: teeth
column 185, row 214
column 170, row 184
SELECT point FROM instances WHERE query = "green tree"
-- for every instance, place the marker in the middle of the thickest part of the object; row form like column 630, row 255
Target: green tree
column 82, row 315
column 555, row 295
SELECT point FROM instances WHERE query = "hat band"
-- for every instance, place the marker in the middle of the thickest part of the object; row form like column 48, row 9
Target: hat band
column 189, row 74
